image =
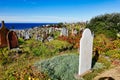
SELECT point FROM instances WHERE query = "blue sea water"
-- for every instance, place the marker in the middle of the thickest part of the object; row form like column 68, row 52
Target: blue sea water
column 24, row 25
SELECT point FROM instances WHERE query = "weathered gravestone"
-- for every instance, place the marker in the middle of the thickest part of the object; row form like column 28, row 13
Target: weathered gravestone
column 26, row 36
column 3, row 34
column 85, row 57
column 12, row 40
column 64, row 32
column 74, row 32
column 51, row 29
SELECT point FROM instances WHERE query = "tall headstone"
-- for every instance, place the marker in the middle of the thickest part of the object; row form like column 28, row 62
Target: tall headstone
column 85, row 57
column 3, row 34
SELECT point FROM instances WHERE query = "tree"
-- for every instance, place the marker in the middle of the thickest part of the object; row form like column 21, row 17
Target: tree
column 108, row 24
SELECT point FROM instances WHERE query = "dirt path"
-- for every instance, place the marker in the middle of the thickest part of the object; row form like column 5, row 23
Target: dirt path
column 112, row 74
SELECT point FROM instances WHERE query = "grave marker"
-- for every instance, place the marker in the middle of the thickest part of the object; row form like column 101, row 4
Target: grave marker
column 64, row 32
column 12, row 40
column 85, row 57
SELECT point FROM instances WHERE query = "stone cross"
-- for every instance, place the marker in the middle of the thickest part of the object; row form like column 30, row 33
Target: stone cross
column 85, row 57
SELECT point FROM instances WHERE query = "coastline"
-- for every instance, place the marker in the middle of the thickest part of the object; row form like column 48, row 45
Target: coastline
column 22, row 26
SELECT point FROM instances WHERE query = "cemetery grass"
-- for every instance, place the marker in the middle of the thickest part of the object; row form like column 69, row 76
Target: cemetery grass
column 17, row 65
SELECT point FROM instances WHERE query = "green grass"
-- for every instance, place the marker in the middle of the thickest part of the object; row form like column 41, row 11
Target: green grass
column 54, row 59
column 115, row 54
column 16, row 66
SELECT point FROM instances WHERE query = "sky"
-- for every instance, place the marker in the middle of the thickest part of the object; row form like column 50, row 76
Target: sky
column 55, row 10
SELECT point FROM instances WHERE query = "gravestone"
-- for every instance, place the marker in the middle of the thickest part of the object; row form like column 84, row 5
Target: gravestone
column 74, row 32
column 64, row 32
column 3, row 34
column 50, row 30
column 37, row 36
column 26, row 36
column 12, row 40
column 85, row 57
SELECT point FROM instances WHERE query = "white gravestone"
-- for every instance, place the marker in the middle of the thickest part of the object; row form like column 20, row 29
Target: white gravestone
column 64, row 32
column 51, row 29
column 27, row 36
column 85, row 57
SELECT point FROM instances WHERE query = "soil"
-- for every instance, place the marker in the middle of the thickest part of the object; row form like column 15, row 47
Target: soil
column 111, row 74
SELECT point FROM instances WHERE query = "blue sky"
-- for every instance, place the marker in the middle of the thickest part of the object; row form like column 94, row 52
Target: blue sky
column 55, row 10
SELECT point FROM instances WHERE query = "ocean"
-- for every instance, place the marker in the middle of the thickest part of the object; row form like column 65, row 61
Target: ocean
column 24, row 25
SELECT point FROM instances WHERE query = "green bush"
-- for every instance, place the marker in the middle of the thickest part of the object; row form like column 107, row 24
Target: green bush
column 57, row 45
column 49, row 48
column 101, row 42
column 21, row 41
column 105, row 60
column 36, row 48
column 63, row 67
column 113, row 53
column 56, row 34
column 116, row 43
column 98, row 66
column 4, row 56
column 40, row 50
column 106, row 24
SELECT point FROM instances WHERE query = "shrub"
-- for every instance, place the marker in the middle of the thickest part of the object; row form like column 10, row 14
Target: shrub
column 62, row 67
column 103, row 44
column 46, row 49
column 56, row 34
column 58, row 46
column 105, row 60
column 74, row 40
column 98, row 66
column 40, row 50
column 106, row 24
column 35, row 47
column 116, row 43
column 4, row 56
column 113, row 53
column 21, row 41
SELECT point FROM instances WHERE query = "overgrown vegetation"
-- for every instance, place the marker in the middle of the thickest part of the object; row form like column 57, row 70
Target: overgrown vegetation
column 49, row 48
column 108, row 24
column 17, row 64
column 58, row 59
column 62, row 67
column 65, row 67
column 73, row 40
